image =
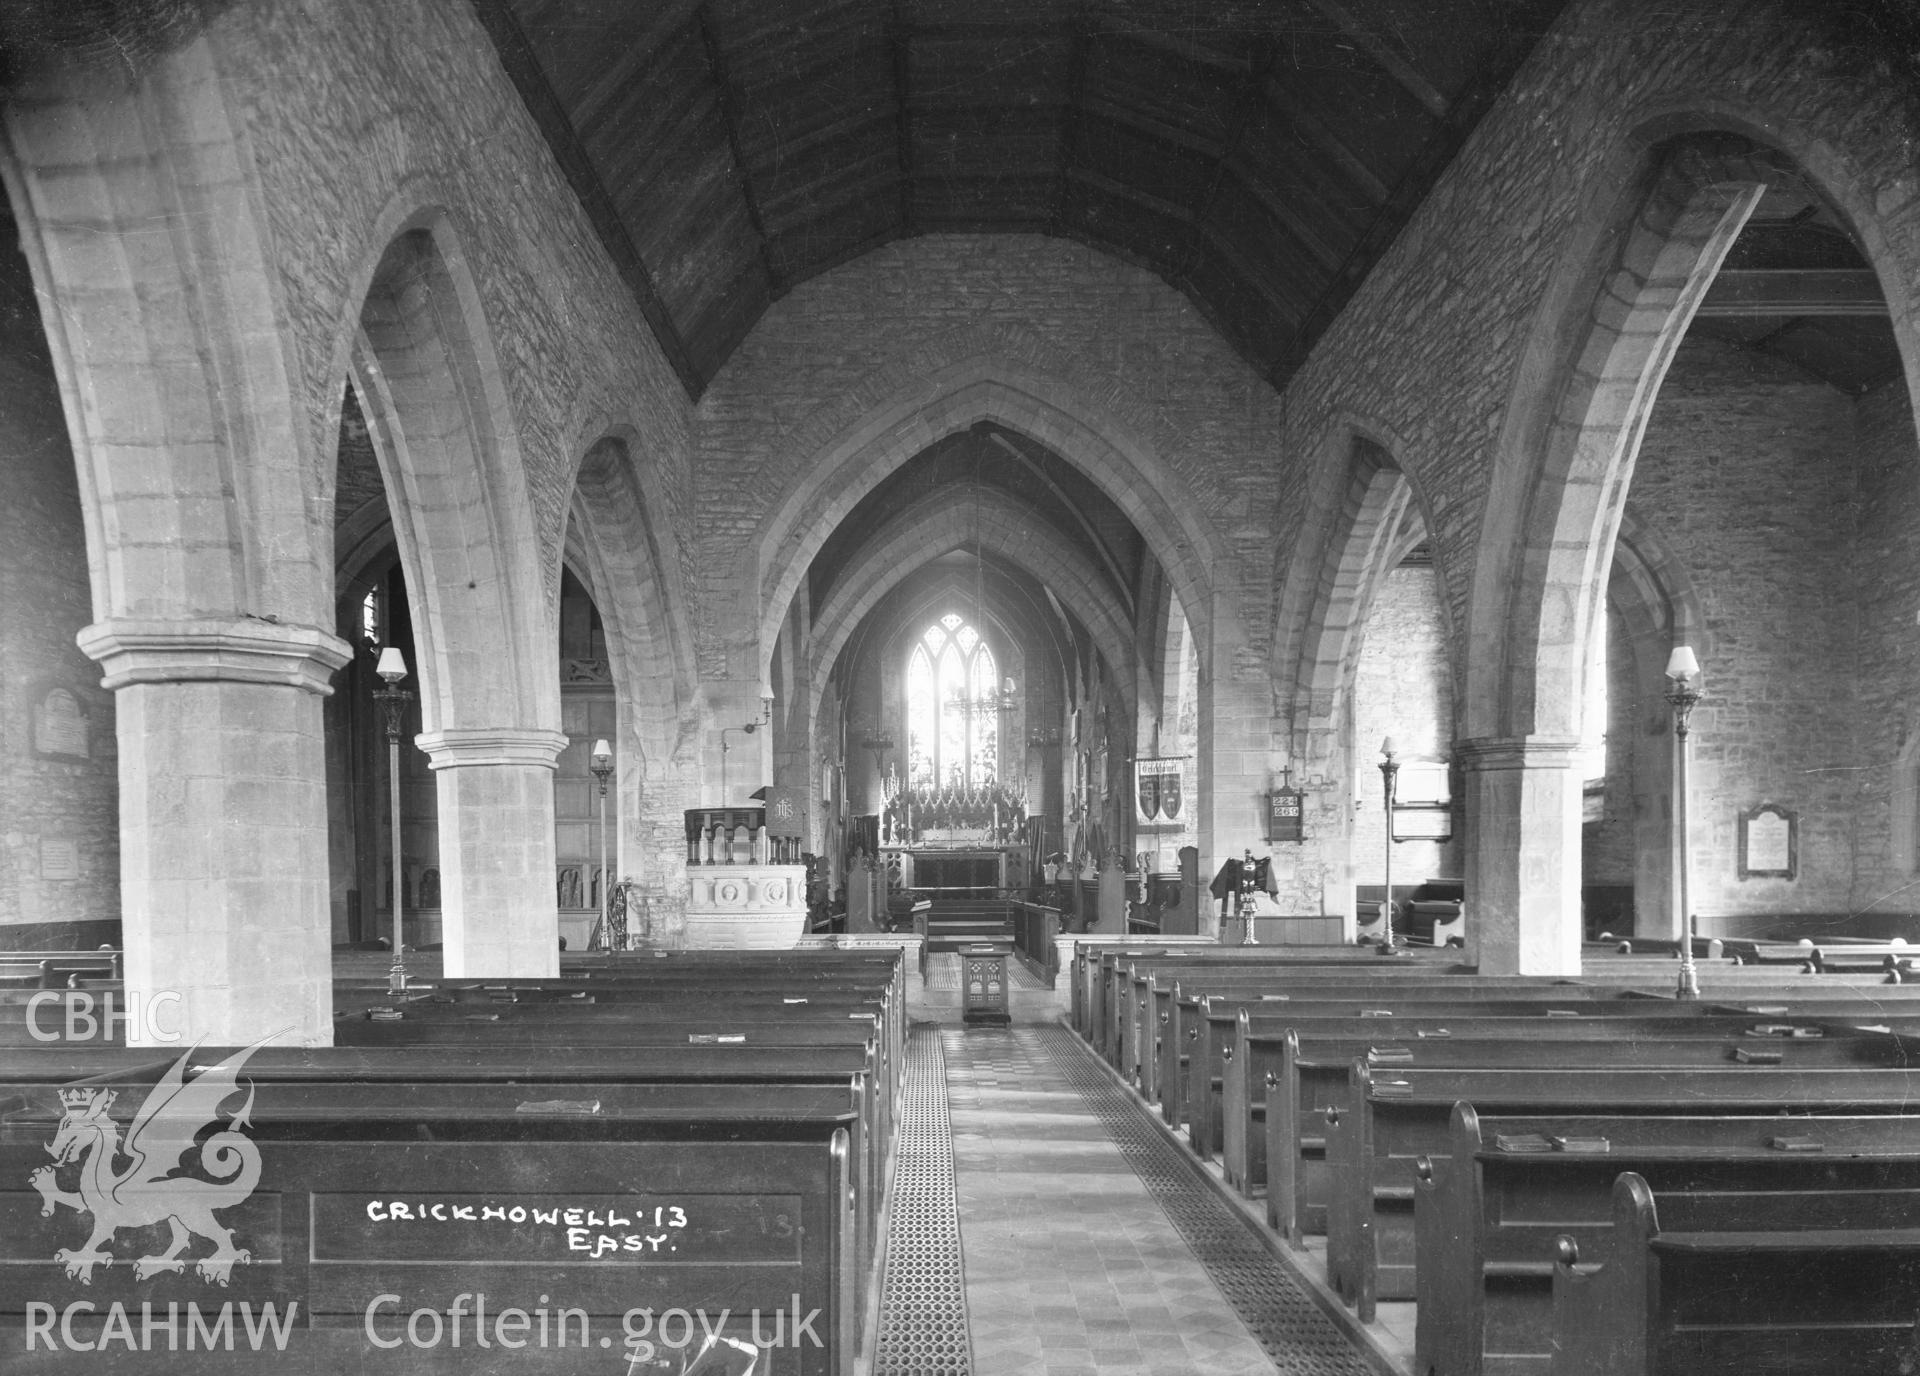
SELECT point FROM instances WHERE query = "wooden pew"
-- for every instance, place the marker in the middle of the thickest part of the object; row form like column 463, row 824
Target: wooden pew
column 686, row 993
column 666, row 1056
column 722, row 1071
column 1107, row 988
column 1263, row 1058
column 1487, row 1219
column 1115, row 1009
column 1198, row 1019
column 1147, row 1005
column 47, row 969
column 650, row 1024
column 1168, row 1002
column 579, row 1212
column 1398, row 1117
column 670, row 1010
column 790, row 974
column 1816, row 1281
column 1205, row 1072
column 1087, row 968
column 1304, row 1071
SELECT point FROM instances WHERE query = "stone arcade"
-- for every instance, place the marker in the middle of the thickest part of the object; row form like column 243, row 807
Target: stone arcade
column 813, row 453
column 1230, row 429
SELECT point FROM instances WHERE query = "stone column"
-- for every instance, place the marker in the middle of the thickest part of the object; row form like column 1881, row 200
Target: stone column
column 223, row 826
column 859, row 896
column 499, row 912
column 1523, row 853
column 1111, row 919
column 1236, row 763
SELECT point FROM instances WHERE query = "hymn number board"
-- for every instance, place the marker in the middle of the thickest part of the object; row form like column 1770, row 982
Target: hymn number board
column 1284, row 814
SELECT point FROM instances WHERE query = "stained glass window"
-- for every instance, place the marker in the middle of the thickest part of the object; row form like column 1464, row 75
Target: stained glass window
column 948, row 742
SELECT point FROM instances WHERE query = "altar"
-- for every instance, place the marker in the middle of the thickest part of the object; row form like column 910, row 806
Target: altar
column 942, row 873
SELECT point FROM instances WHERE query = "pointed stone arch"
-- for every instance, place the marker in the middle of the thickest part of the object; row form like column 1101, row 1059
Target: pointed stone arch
column 1370, row 519
column 1547, row 547
column 141, row 217
column 444, row 436
column 628, row 560
column 847, row 465
column 925, row 531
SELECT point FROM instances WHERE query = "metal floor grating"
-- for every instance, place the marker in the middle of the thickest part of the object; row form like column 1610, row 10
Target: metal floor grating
column 1282, row 1317
column 923, row 1298
column 943, row 973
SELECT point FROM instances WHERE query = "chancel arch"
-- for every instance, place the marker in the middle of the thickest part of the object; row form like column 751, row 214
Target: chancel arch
column 985, row 521
column 851, row 463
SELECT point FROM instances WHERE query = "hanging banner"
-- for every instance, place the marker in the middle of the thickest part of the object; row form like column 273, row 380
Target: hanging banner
column 1159, row 794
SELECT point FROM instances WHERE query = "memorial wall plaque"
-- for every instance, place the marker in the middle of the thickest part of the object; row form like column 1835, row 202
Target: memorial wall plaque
column 59, row 858
column 1769, row 843
column 60, row 725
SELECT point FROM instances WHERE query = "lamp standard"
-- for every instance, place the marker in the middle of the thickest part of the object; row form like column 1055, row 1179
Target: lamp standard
column 1683, row 692
column 393, row 701
column 601, row 763
column 1389, row 777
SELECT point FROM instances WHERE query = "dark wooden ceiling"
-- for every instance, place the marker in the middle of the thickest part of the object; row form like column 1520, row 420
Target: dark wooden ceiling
column 1259, row 155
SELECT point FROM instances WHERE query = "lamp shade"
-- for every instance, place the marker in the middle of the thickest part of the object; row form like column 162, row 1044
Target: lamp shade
column 602, row 754
column 392, row 666
column 1386, row 747
column 1681, row 663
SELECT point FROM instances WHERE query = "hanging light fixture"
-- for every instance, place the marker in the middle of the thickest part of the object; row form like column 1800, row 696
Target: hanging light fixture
column 1006, row 698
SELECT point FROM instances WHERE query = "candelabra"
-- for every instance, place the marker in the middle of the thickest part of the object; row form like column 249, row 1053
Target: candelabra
column 988, row 704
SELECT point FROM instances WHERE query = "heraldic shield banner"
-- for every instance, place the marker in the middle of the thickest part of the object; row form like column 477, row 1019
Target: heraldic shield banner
column 1159, row 793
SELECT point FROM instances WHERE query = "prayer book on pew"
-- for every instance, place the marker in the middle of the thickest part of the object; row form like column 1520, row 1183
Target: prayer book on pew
column 1522, row 1143
column 1537, row 1144
column 553, row 1107
column 1785, row 1029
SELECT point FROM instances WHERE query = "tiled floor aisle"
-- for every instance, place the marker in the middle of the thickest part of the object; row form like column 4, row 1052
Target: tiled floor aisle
column 1073, row 1264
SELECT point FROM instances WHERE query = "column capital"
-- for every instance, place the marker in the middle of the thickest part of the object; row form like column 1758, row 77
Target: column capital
column 491, row 745
column 1483, row 754
column 239, row 650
